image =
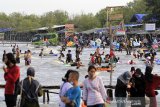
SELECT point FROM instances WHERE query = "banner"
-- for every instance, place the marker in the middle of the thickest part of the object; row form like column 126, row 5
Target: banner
column 150, row 27
column 120, row 32
column 69, row 29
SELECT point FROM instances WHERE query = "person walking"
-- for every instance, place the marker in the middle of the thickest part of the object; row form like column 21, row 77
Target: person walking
column 152, row 83
column 94, row 93
column 64, row 87
column 73, row 95
column 31, row 90
column 11, row 76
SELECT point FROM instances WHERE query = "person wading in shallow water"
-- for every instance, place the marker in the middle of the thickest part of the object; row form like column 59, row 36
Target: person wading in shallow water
column 11, row 76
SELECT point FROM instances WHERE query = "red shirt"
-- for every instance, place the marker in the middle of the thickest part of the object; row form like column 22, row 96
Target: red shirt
column 151, row 87
column 92, row 59
column 112, row 53
column 12, row 75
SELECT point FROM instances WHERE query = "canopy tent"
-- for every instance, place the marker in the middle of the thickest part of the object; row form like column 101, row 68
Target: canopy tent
column 91, row 31
column 53, row 27
column 138, row 18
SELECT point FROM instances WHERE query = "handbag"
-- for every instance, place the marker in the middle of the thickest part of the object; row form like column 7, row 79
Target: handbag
column 20, row 98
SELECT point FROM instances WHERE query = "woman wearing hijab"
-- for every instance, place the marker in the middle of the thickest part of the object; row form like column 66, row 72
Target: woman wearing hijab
column 137, row 89
column 121, row 88
column 152, row 83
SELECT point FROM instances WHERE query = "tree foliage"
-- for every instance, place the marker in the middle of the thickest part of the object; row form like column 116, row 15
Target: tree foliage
column 85, row 22
column 154, row 8
column 23, row 22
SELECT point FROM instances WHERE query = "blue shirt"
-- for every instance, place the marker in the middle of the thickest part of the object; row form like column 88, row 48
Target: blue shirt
column 74, row 94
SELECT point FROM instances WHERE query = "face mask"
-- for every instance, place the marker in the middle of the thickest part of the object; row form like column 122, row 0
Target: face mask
column 71, row 83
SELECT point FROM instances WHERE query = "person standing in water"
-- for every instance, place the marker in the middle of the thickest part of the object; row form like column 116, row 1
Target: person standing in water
column 69, row 57
column 41, row 53
column 4, row 54
column 28, row 58
column 17, row 55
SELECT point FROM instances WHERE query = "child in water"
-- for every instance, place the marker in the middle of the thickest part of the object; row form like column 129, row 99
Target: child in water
column 69, row 57
column 61, row 55
column 131, row 62
column 77, row 63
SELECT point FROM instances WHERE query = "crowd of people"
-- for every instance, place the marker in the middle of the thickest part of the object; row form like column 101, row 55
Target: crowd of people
column 131, row 84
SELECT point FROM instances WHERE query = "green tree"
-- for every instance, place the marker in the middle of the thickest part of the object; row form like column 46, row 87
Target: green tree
column 61, row 17
column 48, row 19
column 4, row 20
column 86, row 21
column 154, row 8
column 102, row 17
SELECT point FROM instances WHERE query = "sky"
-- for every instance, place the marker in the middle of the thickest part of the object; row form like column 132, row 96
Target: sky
column 40, row 7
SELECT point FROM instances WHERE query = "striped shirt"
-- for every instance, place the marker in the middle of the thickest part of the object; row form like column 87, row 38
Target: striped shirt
column 94, row 91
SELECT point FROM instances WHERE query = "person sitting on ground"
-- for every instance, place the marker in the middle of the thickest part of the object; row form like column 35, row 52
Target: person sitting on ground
column 69, row 57
column 77, row 63
column 131, row 62
column 31, row 90
column 141, row 53
column 99, row 59
column 107, row 58
column 92, row 59
column 134, row 53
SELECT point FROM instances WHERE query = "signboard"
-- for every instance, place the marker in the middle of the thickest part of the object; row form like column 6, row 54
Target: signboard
column 150, row 26
column 120, row 32
column 114, row 17
column 69, row 29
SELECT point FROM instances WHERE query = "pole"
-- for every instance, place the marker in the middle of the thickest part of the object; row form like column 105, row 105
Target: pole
column 111, row 39
column 107, row 18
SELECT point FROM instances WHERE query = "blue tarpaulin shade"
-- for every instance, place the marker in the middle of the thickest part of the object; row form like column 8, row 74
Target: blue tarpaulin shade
column 132, row 25
column 138, row 18
column 2, row 30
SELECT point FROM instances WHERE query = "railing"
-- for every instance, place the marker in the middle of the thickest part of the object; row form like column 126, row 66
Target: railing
column 46, row 91
column 14, row 42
